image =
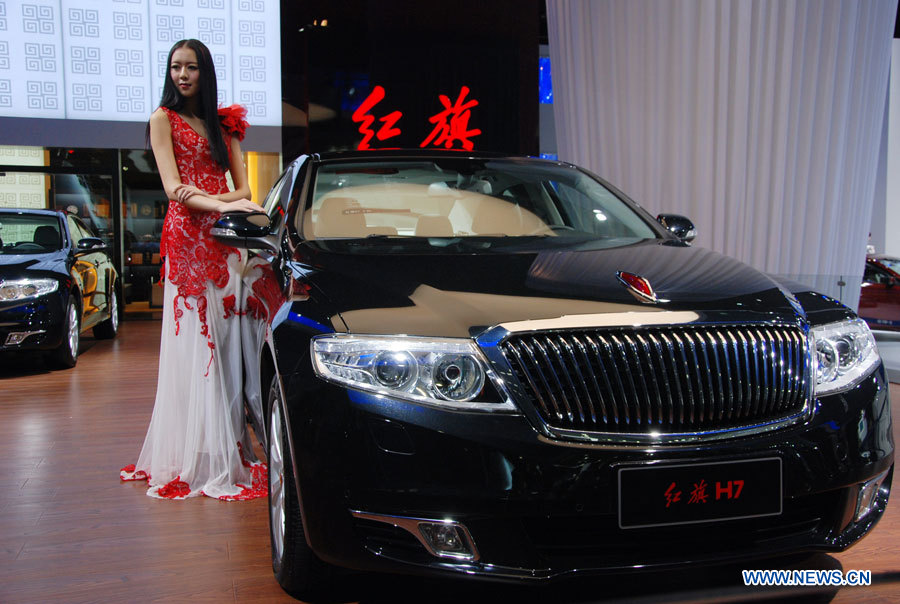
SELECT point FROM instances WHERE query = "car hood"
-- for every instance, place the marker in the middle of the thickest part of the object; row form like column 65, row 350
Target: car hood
column 13, row 266
column 451, row 294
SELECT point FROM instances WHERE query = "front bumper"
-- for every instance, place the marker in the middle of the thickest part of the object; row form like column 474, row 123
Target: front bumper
column 536, row 508
column 39, row 322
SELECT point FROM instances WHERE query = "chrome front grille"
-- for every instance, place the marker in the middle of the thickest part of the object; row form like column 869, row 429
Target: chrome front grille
column 663, row 380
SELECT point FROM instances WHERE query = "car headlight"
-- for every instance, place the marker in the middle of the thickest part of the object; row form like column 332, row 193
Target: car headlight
column 845, row 353
column 445, row 372
column 22, row 289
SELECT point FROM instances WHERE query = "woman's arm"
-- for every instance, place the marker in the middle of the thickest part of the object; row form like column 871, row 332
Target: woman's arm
column 238, row 175
column 192, row 197
column 163, row 151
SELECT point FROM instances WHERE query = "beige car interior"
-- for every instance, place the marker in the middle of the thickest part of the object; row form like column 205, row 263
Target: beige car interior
column 408, row 209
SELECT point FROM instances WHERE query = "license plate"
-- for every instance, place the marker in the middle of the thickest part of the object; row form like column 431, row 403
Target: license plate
column 667, row 494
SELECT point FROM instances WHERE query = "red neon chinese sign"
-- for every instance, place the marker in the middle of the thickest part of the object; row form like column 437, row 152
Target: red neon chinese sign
column 387, row 129
column 451, row 125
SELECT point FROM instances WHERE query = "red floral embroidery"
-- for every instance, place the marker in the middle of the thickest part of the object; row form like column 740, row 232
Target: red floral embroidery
column 228, row 302
column 174, row 489
column 178, row 489
column 259, row 486
column 193, row 255
column 255, row 308
column 266, row 289
column 233, row 120
column 128, row 473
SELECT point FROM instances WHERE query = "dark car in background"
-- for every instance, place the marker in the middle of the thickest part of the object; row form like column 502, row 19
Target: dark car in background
column 879, row 297
column 496, row 367
column 56, row 280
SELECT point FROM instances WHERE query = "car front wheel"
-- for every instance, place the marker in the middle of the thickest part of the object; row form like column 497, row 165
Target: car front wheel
column 297, row 568
column 66, row 355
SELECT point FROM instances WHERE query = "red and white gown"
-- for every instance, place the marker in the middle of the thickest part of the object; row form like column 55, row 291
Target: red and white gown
column 198, row 442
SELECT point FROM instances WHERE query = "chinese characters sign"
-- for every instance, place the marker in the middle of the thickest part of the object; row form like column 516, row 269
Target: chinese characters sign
column 450, row 125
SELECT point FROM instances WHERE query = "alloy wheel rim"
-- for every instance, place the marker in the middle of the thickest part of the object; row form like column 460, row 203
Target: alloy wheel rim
column 276, row 481
column 73, row 330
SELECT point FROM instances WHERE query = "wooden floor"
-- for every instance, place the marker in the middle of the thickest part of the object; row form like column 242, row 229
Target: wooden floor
column 70, row 531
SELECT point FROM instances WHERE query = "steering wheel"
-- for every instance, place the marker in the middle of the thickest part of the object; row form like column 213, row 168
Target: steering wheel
column 28, row 245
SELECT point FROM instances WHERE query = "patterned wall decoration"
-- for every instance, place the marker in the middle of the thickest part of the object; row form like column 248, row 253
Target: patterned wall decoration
column 105, row 59
column 22, row 189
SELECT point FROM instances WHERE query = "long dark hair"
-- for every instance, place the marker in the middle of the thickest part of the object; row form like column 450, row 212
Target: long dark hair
column 207, row 101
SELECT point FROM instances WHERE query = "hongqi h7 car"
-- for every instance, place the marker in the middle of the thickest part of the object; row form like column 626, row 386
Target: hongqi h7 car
column 496, row 367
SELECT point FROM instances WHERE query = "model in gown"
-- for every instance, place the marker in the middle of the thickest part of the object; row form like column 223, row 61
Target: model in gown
column 198, row 442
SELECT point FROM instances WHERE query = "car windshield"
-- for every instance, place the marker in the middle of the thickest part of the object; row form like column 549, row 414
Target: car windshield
column 464, row 198
column 29, row 233
column 891, row 263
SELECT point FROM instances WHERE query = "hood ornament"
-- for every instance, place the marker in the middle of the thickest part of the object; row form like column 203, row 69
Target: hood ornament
column 638, row 287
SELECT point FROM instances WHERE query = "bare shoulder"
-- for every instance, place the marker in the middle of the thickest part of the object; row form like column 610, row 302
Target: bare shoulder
column 159, row 117
column 159, row 121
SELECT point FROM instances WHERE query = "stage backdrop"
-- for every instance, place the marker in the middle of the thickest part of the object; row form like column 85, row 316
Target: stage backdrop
column 88, row 73
column 760, row 120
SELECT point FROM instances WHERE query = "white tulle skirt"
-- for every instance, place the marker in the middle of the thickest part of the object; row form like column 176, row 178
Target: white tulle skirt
column 198, row 442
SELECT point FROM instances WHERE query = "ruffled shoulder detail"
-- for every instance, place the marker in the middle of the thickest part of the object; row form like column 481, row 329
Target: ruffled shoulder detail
column 233, row 119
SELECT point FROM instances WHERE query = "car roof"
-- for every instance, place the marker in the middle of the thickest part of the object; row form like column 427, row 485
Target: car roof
column 42, row 212
column 381, row 154
column 872, row 259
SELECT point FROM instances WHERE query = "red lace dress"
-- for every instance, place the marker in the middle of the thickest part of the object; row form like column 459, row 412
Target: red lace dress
column 198, row 442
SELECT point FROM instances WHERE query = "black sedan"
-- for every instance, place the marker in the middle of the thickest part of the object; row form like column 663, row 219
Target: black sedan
column 504, row 368
column 56, row 280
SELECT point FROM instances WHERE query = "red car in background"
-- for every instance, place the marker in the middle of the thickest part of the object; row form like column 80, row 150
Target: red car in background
column 879, row 299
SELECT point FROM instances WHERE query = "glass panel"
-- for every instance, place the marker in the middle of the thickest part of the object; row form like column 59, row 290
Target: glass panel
column 144, row 206
column 88, row 197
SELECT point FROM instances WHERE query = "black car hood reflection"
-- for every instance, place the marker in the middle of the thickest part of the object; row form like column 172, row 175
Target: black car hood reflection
column 462, row 294
column 12, row 265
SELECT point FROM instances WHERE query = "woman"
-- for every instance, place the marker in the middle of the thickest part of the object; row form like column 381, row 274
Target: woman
column 198, row 443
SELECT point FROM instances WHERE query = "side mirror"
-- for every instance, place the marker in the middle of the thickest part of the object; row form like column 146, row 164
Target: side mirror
column 91, row 244
column 680, row 226
column 244, row 230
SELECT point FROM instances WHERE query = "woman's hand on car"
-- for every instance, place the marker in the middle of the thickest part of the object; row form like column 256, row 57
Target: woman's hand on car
column 240, row 205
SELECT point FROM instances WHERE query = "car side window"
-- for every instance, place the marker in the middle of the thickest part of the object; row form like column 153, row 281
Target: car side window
column 88, row 231
column 272, row 204
column 77, row 231
column 875, row 275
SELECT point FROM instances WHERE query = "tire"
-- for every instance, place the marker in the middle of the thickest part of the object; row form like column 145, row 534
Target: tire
column 66, row 355
column 108, row 329
column 297, row 568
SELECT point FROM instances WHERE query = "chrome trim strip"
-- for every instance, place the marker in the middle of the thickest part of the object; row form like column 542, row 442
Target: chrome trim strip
column 587, row 395
column 528, row 376
column 628, row 440
column 590, row 371
column 411, row 525
column 701, row 400
column 646, row 318
column 605, row 375
column 24, row 335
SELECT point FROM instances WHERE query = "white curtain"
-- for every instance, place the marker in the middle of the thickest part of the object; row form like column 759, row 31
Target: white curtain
column 759, row 119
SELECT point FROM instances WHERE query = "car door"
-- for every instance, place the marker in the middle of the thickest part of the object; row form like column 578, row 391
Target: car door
column 879, row 300
column 262, row 295
column 92, row 274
